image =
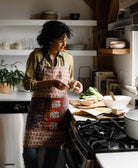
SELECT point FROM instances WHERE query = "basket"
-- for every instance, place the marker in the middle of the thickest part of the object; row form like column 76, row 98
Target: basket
column 86, row 81
column 49, row 15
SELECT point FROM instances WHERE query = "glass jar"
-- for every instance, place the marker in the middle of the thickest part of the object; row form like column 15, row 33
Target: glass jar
column 136, row 103
column 136, row 94
column 136, row 83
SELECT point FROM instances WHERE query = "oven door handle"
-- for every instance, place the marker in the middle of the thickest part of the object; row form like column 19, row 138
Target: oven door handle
column 69, row 161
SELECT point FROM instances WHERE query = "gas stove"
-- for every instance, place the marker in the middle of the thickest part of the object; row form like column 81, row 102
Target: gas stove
column 105, row 136
column 97, row 136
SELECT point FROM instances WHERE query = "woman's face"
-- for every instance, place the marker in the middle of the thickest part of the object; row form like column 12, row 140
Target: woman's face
column 58, row 44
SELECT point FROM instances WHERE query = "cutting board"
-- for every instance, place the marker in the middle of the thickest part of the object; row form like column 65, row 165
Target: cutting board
column 103, row 116
column 94, row 105
column 110, row 116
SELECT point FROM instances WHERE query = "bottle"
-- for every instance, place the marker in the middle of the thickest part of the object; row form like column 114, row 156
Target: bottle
column 136, row 100
column 136, row 94
column 136, row 103
column 136, row 83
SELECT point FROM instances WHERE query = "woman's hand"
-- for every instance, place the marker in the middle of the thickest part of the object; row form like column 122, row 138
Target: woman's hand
column 54, row 82
column 59, row 84
column 76, row 87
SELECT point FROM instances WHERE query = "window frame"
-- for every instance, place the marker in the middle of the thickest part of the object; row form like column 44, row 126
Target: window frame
column 134, row 48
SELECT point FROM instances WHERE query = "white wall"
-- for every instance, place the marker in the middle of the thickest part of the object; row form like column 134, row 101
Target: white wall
column 19, row 9
column 122, row 63
column 126, row 66
column 23, row 9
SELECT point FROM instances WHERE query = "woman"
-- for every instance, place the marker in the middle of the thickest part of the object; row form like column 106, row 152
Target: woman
column 49, row 73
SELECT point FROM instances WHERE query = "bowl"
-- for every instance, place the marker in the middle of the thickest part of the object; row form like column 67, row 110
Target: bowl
column 108, row 40
column 49, row 15
column 84, row 102
column 120, row 102
column 117, row 44
column 74, row 16
column 131, row 123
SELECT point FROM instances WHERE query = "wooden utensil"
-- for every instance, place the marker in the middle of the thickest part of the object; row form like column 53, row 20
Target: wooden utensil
column 112, row 95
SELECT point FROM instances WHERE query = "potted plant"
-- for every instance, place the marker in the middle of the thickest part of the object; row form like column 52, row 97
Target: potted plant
column 10, row 75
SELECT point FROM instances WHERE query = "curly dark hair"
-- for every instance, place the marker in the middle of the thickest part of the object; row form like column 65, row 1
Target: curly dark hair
column 52, row 30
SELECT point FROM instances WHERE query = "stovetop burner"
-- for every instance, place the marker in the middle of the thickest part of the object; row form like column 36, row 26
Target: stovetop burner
column 105, row 136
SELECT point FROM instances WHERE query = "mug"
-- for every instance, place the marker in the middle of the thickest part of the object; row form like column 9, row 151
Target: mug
column 5, row 45
column 17, row 45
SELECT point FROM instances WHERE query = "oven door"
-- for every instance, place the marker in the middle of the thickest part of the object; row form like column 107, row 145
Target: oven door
column 75, row 159
column 74, row 156
column 77, row 153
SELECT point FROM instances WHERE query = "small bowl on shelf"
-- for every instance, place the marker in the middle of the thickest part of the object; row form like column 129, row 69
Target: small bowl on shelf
column 49, row 15
column 74, row 16
column 117, row 44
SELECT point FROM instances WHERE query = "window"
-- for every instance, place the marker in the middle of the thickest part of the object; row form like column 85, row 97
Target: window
column 134, row 56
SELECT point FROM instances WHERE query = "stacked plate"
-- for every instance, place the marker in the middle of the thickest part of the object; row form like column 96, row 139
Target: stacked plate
column 117, row 44
column 76, row 46
column 108, row 40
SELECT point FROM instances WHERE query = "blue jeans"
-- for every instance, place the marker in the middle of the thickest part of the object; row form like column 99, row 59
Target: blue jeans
column 53, row 158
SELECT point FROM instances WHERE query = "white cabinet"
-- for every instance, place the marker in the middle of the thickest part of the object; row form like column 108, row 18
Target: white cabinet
column 26, row 31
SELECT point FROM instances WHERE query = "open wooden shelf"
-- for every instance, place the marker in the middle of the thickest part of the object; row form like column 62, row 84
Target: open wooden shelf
column 114, row 51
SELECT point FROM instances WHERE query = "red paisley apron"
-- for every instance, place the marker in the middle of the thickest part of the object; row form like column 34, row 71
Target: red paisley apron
column 47, row 117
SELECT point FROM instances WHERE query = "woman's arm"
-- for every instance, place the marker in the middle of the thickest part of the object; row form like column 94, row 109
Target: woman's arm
column 29, row 80
column 74, row 85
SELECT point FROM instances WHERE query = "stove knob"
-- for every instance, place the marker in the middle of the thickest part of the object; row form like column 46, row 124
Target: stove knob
column 16, row 107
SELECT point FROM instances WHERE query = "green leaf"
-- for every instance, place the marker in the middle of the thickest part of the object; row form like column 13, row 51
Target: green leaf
column 13, row 76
